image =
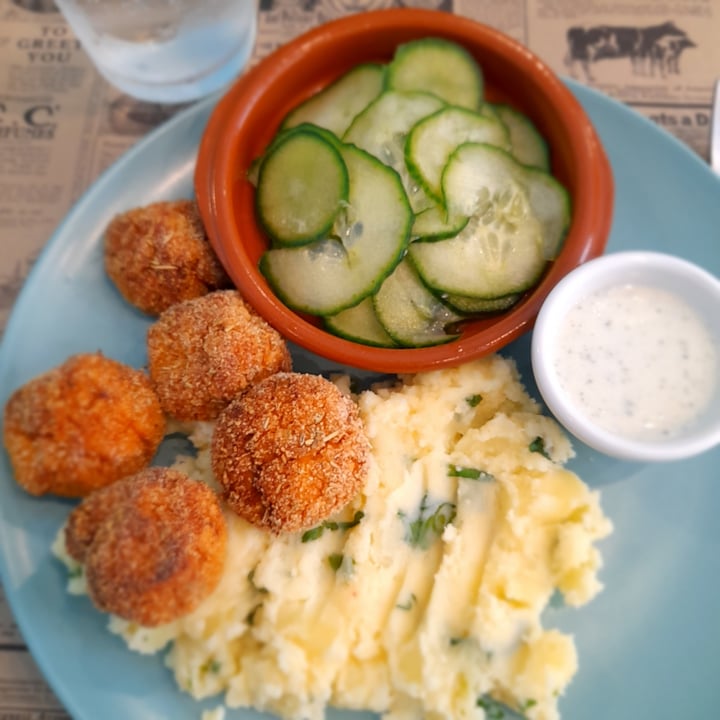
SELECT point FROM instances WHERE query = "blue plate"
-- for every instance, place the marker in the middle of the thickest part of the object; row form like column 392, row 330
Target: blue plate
column 648, row 645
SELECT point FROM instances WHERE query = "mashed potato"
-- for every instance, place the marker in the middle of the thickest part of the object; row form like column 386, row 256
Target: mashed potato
column 423, row 598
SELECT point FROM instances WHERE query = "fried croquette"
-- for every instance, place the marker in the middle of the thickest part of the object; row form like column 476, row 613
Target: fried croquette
column 153, row 545
column 81, row 426
column 290, row 452
column 159, row 255
column 91, row 513
column 203, row 353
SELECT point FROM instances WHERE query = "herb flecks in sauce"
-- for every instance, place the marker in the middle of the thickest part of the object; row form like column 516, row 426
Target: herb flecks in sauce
column 637, row 360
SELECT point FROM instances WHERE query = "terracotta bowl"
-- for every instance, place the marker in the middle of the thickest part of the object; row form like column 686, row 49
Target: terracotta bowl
column 247, row 117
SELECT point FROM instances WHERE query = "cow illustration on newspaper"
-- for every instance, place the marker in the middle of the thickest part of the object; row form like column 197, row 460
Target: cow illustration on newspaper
column 651, row 49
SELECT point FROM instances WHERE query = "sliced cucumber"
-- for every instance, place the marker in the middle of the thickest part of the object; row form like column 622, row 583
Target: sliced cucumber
column 433, row 139
column 514, row 217
column 367, row 241
column 360, row 324
column 408, row 150
column 335, row 107
column 302, row 184
column 482, row 261
column 476, row 306
column 435, row 224
column 528, row 145
column 550, row 201
column 381, row 130
column 481, row 178
column 488, row 110
column 440, row 67
column 410, row 313
column 253, row 172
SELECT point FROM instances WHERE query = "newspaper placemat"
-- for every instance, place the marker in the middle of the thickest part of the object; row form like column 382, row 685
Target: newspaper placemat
column 61, row 125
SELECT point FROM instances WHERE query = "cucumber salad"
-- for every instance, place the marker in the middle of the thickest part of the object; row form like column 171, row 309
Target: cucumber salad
column 399, row 202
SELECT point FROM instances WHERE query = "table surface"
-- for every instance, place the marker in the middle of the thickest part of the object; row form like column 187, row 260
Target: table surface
column 61, row 125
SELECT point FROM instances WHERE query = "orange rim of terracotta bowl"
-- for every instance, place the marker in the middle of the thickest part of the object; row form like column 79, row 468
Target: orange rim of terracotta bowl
column 248, row 115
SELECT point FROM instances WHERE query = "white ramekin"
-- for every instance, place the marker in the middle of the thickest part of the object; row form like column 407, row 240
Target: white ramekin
column 697, row 287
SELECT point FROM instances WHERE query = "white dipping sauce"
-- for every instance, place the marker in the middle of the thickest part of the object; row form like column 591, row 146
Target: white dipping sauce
column 637, row 360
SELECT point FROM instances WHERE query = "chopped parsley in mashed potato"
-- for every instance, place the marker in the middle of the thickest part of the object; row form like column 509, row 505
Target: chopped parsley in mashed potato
column 423, row 598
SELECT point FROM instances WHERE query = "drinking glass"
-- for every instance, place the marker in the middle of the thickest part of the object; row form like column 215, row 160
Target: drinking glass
column 166, row 51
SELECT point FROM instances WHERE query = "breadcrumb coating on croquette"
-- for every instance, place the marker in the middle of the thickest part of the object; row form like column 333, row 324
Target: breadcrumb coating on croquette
column 203, row 353
column 159, row 254
column 290, row 452
column 87, row 517
column 154, row 548
column 81, row 426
